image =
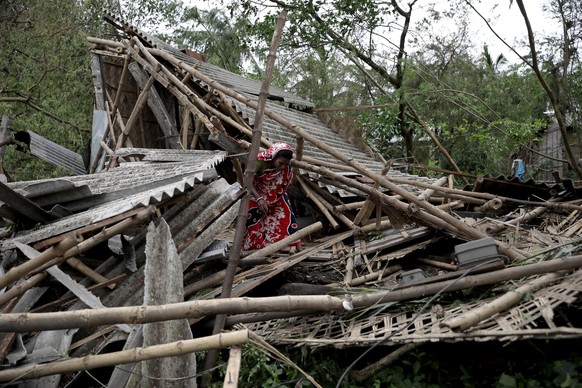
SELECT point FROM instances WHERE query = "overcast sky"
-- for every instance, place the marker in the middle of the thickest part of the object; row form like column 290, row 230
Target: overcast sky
column 507, row 22
column 510, row 25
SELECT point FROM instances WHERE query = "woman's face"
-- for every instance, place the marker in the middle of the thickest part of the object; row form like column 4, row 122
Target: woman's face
column 281, row 163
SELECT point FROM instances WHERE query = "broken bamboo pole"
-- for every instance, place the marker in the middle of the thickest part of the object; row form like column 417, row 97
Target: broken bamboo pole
column 487, row 310
column 134, row 355
column 439, row 220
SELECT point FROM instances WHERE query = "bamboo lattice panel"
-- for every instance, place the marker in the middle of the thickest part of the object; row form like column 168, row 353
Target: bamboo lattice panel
column 531, row 318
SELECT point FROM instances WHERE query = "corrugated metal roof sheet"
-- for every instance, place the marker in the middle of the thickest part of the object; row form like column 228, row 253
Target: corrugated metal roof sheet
column 133, row 174
column 512, row 187
column 51, row 152
column 144, row 183
column 271, row 130
column 224, row 77
column 281, row 102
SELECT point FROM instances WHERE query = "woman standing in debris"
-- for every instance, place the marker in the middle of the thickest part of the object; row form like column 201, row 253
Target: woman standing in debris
column 271, row 217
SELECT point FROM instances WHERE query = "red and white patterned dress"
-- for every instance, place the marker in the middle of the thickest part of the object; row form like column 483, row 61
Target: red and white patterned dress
column 271, row 184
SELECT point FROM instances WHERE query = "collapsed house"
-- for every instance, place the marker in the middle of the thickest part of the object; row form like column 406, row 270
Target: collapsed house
column 92, row 270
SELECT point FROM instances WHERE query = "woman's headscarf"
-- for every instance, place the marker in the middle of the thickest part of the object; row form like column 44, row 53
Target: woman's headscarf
column 273, row 150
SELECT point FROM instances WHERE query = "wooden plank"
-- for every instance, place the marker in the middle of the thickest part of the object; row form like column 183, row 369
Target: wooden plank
column 98, row 82
column 166, row 122
column 233, row 367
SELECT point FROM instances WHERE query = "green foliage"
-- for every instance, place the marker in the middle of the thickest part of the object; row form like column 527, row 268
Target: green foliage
column 214, row 34
column 420, row 369
column 46, row 83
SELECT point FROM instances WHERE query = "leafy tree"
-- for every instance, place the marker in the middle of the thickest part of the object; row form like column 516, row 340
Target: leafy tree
column 45, row 75
column 555, row 98
column 212, row 33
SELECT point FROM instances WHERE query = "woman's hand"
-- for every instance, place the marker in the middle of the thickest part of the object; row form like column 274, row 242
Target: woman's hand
column 263, row 205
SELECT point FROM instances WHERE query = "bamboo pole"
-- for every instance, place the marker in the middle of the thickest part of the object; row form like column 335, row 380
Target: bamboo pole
column 232, row 368
column 524, row 219
column 375, row 275
column 370, row 370
column 457, row 227
column 349, row 275
column 175, row 86
column 349, row 206
column 88, row 271
column 316, row 200
column 133, row 117
column 270, row 249
column 205, row 282
column 234, row 257
column 299, row 153
column 25, row 322
column 368, row 205
column 428, row 192
column 171, row 349
column 185, row 126
column 16, row 273
column 104, row 235
column 470, row 281
column 437, row 264
column 68, row 298
column 21, row 288
column 485, row 311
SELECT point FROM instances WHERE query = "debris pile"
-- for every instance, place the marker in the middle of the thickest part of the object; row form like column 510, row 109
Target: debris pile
column 124, row 264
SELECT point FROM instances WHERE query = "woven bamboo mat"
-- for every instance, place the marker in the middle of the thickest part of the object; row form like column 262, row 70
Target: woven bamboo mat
column 532, row 318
